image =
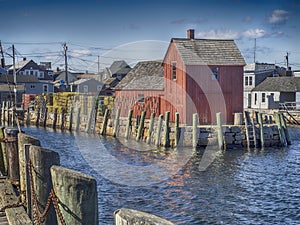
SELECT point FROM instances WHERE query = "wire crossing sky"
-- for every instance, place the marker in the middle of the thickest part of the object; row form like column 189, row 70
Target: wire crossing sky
column 140, row 30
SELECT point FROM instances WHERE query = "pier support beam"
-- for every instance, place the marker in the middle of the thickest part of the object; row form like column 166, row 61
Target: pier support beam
column 141, row 126
column 128, row 125
column 220, row 131
column 159, row 125
column 150, row 131
column 195, row 125
column 166, row 141
column 12, row 154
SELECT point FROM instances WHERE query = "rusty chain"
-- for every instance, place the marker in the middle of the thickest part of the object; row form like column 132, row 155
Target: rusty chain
column 38, row 215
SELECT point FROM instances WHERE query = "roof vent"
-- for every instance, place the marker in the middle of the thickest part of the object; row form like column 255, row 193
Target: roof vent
column 191, row 34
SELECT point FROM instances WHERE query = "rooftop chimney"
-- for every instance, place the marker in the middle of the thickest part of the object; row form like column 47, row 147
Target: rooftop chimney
column 191, row 34
column 24, row 59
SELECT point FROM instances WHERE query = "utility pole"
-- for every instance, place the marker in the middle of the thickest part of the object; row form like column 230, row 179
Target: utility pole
column 287, row 60
column 66, row 64
column 2, row 56
column 254, row 53
column 14, row 75
column 98, row 64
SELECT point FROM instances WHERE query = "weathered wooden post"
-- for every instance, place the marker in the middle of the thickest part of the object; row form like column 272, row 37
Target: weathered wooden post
column 77, row 122
column 176, row 131
column 159, row 125
column 238, row 118
column 71, row 119
column 41, row 161
column 166, row 140
column 45, row 117
column 3, row 112
column 63, row 119
column 285, row 129
column 219, row 130
column 151, row 125
column 116, row 125
column 128, row 125
column 104, row 122
column 195, row 125
column 79, row 202
column 12, row 153
column 261, row 130
column 141, row 126
column 38, row 114
column 54, row 118
column 280, row 130
column 24, row 139
column 7, row 113
column 28, row 117
column 3, row 162
column 129, row 216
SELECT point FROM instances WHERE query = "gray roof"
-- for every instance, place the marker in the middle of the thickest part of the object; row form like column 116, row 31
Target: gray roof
column 279, row 84
column 19, row 65
column 83, row 80
column 20, row 79
column 146, row 75
column 209, row 52
column 117, row 65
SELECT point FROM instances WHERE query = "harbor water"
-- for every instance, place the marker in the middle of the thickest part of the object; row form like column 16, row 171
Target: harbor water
column 257, row 186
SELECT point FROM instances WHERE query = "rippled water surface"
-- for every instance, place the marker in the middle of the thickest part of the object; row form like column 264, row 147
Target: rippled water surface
column 239, row 187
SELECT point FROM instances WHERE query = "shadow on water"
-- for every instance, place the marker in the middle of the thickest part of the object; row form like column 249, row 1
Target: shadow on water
column 237, row 187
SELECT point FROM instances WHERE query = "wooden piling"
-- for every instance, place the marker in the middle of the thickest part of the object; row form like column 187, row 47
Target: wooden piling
column 71, row 119
column 116, row 125
column 45, row 117
column 54, row 118
column 77, row 121
column 151, row 125
column 130, row 216
column 42, row 160
column 28, row 117
column 104, row 122
column 176, row 131
column 63, row 119
column 3, row 162
column 158, row 132
column 195, row 125
column 285, row 129
column 24, row 139
column 261, row 130
column 141, row 126
column 280, row 130
column 11, row 147
column 38, row 114
column 6, row 113
column 166, row 140
column 128, row 125
column 219, row 131
column 3, row 112
column 79, row 202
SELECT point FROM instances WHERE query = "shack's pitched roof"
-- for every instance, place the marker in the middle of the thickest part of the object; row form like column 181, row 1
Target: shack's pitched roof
column 279, row 84
column 209, row 52
column 20, row 64
column 146, row 75
column 116, row 66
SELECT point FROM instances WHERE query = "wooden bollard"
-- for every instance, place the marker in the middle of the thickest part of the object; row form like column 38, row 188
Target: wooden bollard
column 42, row 160
column 176, row 140
column 261, row 130
column 38, row 114
column 71, row 119
column 54, row 118
column 12, row 153
column 116, row 125
column 77, row 196
column 3, row 158
column 158, row 132
column 77, row 121
column 166, row 140
column 104, row 122
column 195, row 125
column 141, row 126
column 3, row 112
column 45, row 117
column 7, row 113
column 220, row 131
column 151, row 125
column 24, row 139
column 63, row 119
column 285, row 129
column 128, row 125
column 130, row 216
column 282, row 137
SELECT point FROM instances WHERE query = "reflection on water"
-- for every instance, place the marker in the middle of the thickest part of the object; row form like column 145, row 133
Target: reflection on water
column 239, row 187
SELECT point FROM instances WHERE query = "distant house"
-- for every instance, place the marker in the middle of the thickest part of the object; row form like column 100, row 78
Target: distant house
column 86, row 86
column 117, row 69
column 203, row 76
column 141, row 89
column 254, row 74
column 29, row 67
column 275, row 90
column 61, row 76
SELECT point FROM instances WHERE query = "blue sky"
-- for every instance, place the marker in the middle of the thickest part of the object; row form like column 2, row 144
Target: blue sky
column 138, row 30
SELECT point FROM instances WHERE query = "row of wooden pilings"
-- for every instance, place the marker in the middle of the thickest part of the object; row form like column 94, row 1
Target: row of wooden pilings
column 50, row 193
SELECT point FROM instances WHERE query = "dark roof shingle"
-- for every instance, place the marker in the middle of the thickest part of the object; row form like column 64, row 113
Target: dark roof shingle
column 280, row 84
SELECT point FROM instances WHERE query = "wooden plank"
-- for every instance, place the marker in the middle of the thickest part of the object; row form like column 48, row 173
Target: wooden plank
column 7, row 195
column 17, row 216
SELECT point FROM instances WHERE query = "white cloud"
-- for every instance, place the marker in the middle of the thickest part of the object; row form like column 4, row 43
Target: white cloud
column 278, row 16
column 254, row 33
column 80, row 52
column 219, row 34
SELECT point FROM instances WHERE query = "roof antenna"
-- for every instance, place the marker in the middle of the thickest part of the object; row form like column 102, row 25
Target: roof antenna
column 254, row 53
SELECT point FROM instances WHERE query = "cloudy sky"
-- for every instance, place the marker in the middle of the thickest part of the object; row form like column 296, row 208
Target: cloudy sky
column 137, row 30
